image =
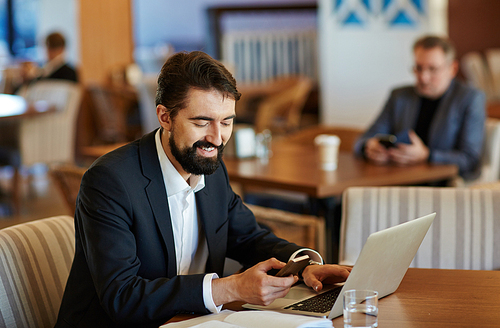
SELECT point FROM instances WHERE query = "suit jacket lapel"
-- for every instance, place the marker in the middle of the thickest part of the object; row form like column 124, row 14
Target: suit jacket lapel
column 442, row 114
column 410, row 117
column 157, row 196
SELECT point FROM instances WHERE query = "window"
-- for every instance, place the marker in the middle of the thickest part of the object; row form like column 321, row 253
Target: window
column 3, row 30
column 18, row 28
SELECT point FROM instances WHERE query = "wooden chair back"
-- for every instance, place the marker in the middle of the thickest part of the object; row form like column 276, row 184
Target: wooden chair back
column 281, row 112
column 304, row 230
column 67, row 178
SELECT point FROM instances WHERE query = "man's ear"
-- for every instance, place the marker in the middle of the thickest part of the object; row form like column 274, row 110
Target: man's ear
column 164, row 117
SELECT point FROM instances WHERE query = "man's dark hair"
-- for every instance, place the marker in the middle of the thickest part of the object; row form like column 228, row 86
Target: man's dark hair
column 55, row 40
column 433, row 41
column 196, row 70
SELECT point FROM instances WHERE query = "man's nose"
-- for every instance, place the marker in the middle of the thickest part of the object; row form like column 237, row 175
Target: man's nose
column 214, row 135
column 424, row 76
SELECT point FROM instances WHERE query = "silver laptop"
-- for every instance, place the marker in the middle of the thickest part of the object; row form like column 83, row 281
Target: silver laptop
column 381, row 266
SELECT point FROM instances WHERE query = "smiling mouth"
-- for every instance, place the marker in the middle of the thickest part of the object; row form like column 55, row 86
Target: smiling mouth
column 209, row 149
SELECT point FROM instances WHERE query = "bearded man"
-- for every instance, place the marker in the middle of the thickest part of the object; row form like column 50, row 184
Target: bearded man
column 156, row 218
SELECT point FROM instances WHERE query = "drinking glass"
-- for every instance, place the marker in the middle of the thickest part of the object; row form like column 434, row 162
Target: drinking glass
column 360, row 308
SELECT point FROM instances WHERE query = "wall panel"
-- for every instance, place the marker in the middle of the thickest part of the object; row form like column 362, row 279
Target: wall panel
column 105, row 38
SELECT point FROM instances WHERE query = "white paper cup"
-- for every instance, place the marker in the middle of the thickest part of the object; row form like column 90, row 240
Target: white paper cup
column 328, row 147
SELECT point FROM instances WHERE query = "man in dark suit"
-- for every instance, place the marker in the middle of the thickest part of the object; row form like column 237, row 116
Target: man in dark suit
column 156, row 218
column 443, row 118
column 56, row 66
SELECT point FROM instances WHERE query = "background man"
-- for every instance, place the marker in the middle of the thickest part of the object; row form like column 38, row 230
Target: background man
column 56, row 66
column 156, row 218
column 443, row 117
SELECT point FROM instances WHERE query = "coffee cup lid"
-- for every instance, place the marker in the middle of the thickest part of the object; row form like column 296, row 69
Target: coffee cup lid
column 327, row 139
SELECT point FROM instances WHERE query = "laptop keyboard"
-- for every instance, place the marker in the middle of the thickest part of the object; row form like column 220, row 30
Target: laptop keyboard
column 319, row 304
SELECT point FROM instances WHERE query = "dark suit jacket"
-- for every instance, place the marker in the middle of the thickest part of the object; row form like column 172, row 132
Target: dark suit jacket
column 65, row 72
column 456, row 132
column 124, row 271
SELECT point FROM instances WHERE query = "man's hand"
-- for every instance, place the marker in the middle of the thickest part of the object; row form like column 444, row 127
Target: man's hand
column 253, row 286
column 408, row 154
column 375, row 152
column 315, row 275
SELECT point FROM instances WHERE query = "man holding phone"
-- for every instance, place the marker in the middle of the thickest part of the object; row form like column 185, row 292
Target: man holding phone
column 441, row 118
column 155, row 219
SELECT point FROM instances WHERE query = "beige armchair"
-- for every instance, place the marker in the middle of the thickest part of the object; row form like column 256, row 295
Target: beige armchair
column 464, row 235
column 490, row 170
column 35, row 260
column 50, row 138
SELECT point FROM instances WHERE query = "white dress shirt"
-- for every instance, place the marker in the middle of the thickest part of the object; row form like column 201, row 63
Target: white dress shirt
column 191, row 249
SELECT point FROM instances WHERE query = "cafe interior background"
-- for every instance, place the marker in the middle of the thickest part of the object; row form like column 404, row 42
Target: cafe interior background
column 353, row 51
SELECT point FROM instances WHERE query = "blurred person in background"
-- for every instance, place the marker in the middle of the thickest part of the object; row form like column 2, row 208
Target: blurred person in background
column 56, row 67
column 441, row 118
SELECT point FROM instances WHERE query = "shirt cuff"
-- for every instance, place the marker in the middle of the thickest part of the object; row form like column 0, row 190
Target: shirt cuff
column 313, row 255
column 207, row 293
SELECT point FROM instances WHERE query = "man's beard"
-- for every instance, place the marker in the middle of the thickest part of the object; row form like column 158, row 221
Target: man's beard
column 193, row 163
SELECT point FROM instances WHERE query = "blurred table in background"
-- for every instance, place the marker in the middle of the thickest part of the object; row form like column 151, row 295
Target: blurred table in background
column 294, row 166
column 12, row 109
column 16, row 107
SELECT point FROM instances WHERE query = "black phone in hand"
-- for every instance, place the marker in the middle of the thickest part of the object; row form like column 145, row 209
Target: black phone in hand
column 294, row 266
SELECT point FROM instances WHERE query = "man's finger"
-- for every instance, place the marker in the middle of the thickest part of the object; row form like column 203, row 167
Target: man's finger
column 272, row 263
column 282, row 282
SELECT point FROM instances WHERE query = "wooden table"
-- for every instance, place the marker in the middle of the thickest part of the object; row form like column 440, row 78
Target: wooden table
column 295, row 167
column 16, row 107
column 434, row 298
column 442, row 298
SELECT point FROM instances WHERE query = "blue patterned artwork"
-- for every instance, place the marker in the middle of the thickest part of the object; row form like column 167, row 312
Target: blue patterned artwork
column 338, row 3
column 401, row 18
column 352, row 12
column 404, row 13
column 368, row 4
column 419, row 4
column 385, row 4
column 352, row 18
column 395, row 13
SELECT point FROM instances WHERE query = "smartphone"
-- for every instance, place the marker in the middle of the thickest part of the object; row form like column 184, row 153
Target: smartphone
column 387, row 140
column 294, row 266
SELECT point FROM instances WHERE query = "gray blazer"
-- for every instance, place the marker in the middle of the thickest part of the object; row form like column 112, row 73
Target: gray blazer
column 456, row 132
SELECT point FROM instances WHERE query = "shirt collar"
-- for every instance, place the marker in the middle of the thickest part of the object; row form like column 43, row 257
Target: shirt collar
column 173, row 180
